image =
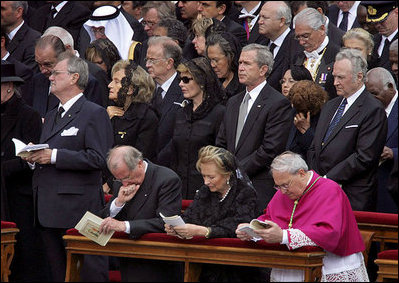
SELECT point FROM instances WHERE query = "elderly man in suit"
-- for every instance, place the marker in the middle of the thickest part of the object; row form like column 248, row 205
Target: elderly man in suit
column 319, row 52
column 22, row 37
column 142, row 190
column 381, row 83
column 255, row 124
column 344, row 15
column 249, row 19
column 67, row 180
column 351, row 133
column 274, row 24
column 163, row 57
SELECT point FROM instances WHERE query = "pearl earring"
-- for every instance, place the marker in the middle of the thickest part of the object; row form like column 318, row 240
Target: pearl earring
column 8, row 90
column 228, row 182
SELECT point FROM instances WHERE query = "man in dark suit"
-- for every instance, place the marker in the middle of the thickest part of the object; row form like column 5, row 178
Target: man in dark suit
column 344, row 15
column 274, row 21
column 219, row 11
column 163, row 57
column 70, row 16
column 384, row 16
column 319, row 52
column 22, row 37
column 381, row 84
column 142, row 191
column 351, row 133
column 67, row 180
column 249, row 19
column 47, row 50
column 255, row 124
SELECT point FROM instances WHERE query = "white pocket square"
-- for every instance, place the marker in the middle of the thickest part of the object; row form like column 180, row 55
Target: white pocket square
column 70, row 132
column 351, row 126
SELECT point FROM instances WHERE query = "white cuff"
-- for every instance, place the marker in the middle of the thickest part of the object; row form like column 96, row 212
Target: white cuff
column 285, row 238
column 53, row 156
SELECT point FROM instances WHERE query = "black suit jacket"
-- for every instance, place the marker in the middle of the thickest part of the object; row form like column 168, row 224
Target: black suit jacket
column 160, row 192
column 67, row 189
column 263, row 137
column 351, row 153
column 383, row 60
column 325, row 68
column 333, row 12
column 22, row 47
column 40, row 90
column 335, row 34
column 254, row 35
column 167, row 113
column 236, row 29
column 71, row 17
column 282, row 60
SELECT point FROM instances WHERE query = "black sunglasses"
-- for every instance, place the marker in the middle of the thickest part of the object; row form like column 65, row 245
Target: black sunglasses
column 185, row 80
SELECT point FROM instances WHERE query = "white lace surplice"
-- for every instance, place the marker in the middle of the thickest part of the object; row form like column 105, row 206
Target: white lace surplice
column 335, row 268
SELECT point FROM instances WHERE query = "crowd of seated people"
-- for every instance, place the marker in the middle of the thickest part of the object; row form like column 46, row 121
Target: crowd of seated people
column 140, row 96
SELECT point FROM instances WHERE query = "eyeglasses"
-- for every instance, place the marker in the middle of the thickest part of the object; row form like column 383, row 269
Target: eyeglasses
column 150, row 61
column 56, row 73
column 304, row 37
column 148, row 23
column 284, row 186
column 100, row 30
column 123, row 179
column 215, row 60
column 185, row 80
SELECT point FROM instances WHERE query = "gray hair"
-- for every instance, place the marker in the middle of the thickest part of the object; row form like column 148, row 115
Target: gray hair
column 263, row 56
column 289, row 162
column 130, row 155
column 384, row 76
column 170, row 48
column 23, row 4
column 61, row 33
column 164, row 9
column 76, row 65
column 394, row 46
column 358, row 62
column 312, row 18
column 284, row 11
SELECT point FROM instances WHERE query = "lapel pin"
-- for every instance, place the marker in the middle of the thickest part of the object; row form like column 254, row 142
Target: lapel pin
column 259, row 106
column 69, row 115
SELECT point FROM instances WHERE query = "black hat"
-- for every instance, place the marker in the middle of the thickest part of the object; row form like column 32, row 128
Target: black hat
column 378, row 11
column 8, row 73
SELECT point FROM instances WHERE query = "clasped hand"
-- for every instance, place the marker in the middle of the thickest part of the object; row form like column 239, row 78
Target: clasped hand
column 186, row 231
column 42, row 156
column 274, row 234
column 110, row 224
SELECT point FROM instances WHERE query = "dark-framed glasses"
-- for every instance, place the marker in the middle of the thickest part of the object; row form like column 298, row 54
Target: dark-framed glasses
column 185, row 80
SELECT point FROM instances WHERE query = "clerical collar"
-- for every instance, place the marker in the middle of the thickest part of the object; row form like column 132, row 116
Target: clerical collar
column 310, row 179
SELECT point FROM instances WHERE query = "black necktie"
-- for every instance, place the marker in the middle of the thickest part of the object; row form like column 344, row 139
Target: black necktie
column 271, row 48
column 385, row 50
column 50, row 17
column 344, row 23
column 58, row 117
column 158, row 97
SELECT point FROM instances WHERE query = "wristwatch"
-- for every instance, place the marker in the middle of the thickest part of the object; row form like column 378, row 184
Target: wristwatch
column 209, row 232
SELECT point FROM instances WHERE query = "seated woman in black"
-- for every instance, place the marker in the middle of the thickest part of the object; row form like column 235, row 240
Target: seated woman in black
column 226, row 199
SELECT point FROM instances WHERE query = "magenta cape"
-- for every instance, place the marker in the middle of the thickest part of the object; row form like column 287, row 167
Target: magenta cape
column 323, row 213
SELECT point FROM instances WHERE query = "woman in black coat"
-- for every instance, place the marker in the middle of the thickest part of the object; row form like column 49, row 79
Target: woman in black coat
column 18, row 120
column 197, row 122
column 226, row 199
column 133, row 119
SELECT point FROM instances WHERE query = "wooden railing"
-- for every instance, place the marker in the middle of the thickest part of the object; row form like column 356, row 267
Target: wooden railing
column 8, row 233
column 159, row 246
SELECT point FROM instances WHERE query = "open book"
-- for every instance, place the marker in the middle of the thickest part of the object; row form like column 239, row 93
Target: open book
column 89, row 226
column 255, row 224
column 23, row 150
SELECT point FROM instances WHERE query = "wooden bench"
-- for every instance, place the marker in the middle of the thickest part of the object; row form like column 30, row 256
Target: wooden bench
column 384, row 226
column 159, row 246
column 387, row 262
column 8, row 232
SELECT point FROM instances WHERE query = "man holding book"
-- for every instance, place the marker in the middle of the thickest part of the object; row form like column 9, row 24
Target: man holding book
column 309, row 210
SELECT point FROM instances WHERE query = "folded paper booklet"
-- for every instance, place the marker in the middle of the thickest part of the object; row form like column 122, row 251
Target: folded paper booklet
column 89, row 226
column 174, row 220
column 255, row 224
column 23, row 150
